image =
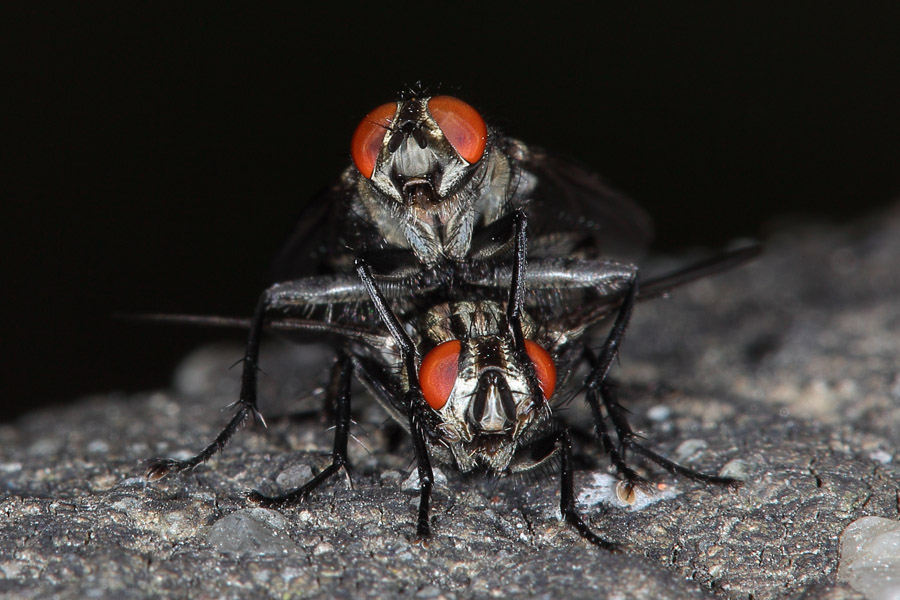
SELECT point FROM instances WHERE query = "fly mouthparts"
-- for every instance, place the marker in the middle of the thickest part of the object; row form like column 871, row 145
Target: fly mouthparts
column 419, row 192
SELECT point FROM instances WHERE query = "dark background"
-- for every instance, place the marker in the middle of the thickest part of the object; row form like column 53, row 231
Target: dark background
column 153, row 156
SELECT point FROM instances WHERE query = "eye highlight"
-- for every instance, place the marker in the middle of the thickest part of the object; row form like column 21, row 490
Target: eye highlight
column 369, row 136
column 544, row 367
column 462, row 126
column 438, row 372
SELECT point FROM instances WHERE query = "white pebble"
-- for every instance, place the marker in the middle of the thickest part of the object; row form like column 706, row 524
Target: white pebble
column 870, row 557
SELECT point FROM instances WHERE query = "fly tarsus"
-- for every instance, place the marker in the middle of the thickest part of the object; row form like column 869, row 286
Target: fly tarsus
column 567, row 496
column 160, row 467
column 617, row 414
column 299, row 495
column 676, row 469
column 575, row 520
column 340, row 383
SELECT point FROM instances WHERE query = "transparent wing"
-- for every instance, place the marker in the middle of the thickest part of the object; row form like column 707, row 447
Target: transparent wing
column 572, row 199
column 320, row 237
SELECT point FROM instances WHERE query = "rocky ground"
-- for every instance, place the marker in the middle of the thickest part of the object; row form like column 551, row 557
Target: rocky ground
column 784, row 372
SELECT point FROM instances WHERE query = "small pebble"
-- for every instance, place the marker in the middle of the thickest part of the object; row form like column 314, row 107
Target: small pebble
column 250, row 532
column 870, row 557
column 689, row 449
column 736, row 469
column 660, row 412
column 294, row 476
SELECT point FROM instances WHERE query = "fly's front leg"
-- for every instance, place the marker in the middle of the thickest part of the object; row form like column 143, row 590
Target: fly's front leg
column 281, row 299
column 423, row 466
column 515, row 306
column 567, row 496
column 421, row 420
column 339, row 451
column 537, row 453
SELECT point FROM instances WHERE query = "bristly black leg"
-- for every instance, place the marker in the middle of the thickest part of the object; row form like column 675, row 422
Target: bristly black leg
column 333, row 392
column 516, row 300
column 515, row 305
column 627, row 440
column 596, row 385
column 160, row 467
column 416, row 407
column 285, row 298
column 567, row 496
column 338, row 453
column 616, row 457
column 426, row 476
column 610, row 349
column 404, row 342
column 676, row 469
column 617, row 415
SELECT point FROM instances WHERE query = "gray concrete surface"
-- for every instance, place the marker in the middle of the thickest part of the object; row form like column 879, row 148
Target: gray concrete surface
column 785, row 371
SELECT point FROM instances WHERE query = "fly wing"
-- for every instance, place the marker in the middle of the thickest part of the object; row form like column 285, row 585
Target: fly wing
column 569, row 198
column 326, row 231
column 290, row 327
column 331, row 232
column 604, row 305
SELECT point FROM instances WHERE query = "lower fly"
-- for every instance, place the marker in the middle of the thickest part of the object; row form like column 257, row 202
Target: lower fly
column 476, row 383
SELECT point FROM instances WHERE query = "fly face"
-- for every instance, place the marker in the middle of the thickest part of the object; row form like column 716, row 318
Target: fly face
column 405, row 153
column 485, row 398
column 430, row 174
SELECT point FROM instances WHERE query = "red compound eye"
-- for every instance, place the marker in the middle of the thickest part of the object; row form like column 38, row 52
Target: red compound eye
column 462, row 126
column 544, row 367
column 437, row 375
column 368, row 137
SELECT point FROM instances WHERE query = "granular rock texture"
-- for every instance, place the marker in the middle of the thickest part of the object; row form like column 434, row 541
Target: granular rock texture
column 784, row 372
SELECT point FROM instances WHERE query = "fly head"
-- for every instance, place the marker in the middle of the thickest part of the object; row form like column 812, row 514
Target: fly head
column 472, row 378
column 428, row 172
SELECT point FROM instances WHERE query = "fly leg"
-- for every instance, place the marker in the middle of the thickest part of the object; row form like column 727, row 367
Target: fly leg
column 338, row 453
column 623, row 430
column 289, row 297
column 515, row 307
column 560, row 441
column 567, row 496
column 421, row 420
column 627, row 440
column 596, row 385
column 596, row 388
column 537, row 453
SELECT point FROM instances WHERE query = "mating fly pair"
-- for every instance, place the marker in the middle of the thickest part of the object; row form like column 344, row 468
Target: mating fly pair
column 466, row 346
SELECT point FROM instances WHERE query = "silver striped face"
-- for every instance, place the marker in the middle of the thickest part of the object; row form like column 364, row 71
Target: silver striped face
column 425, row 197
column 492, row 403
